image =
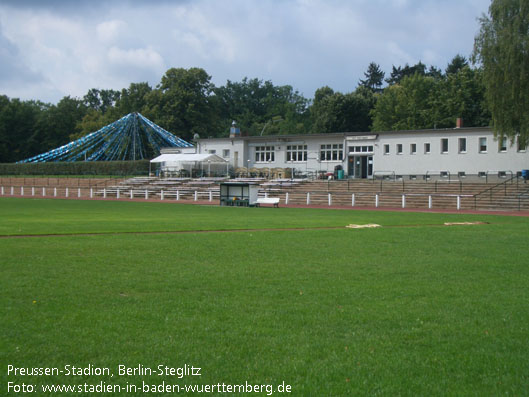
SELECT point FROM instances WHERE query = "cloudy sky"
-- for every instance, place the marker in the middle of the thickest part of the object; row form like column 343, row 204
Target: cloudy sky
column 53, row 48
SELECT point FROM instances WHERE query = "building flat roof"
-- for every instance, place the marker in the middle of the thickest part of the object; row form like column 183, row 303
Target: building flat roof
column 349, row 134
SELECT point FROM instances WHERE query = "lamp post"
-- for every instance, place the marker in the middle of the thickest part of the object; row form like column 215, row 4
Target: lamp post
column 248, row 167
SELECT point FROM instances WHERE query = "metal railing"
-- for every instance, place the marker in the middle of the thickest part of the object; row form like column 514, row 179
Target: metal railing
column 491, row 190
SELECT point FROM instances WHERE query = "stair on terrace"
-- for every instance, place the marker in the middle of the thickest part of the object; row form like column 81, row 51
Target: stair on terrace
column 443, row 194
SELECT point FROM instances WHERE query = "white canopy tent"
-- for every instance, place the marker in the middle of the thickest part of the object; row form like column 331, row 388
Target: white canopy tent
column 176, row 162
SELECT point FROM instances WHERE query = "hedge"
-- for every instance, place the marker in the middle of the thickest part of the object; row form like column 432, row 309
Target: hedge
column 140, row 167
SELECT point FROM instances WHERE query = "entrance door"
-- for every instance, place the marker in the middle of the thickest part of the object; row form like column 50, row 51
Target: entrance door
column 360, row 166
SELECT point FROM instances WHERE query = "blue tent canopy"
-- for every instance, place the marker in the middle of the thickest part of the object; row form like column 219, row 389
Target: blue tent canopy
column 125, row 139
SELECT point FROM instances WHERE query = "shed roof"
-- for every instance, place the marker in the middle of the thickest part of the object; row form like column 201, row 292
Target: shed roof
column 188, row 158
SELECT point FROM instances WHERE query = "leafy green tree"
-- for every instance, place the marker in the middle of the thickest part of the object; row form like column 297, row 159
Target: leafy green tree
column 502, row 48
column 406, row 106
column 133, row 99
column 101, row 100
column 461, row 94
column 339, row 112
column 456, row 64
column 374, row 78
column 253, row 103
column 398, row 73
column 17, row 121
column 183, row 103
column 58, row 122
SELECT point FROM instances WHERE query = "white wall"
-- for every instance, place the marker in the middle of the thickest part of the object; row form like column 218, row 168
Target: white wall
column 470, row 162
column 406, row 163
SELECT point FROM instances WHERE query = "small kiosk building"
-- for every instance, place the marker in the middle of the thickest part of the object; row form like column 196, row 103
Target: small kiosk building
column 238, row 193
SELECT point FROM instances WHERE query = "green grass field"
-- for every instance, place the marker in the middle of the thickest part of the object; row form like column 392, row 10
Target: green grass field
column 410, row 308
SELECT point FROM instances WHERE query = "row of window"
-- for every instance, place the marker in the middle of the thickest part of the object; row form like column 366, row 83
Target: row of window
column 334, row 152
column 298, row 153
column 462, row 146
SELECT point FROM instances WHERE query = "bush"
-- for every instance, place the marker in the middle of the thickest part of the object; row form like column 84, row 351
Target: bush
column 140, row 167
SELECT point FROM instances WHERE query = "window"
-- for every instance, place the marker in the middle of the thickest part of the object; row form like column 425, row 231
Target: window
column 483, row 145
column 296, row 153
column 386, row 149
column 461, row 174
column 444, row 145
column 426, row 148
column 226, row 153
column 264, row 154
column 212, row 151
column 503, row 144
column 331, row 152
column 399, row 148
column 462, row 145
column 360, row 149
column 522, row 145
column 413, row 148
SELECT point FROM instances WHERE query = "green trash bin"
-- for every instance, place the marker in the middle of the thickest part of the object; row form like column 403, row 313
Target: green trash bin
column 340, row 174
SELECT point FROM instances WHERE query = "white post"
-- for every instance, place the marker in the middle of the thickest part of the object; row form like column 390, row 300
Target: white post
column 308, row 198
column 376, row 200
column 104, row 192
column 66, row 193
column 43, row 191
column 353, row 200
column 196, row 195
column 286, row 199
column 117, row 193
column 177, row 195
column 2, row 190
column 329, row 198
column 131, row 194
column 266, row 194
column 21, row 190
column 79, row 192
column 403, row 201
column 458, row 202
column 210, row 196
column 430, row 202
column 91, row 193
column 146, row 194
column 12, row 191
column 54, row 192
column 32, row 190
column 161, row 194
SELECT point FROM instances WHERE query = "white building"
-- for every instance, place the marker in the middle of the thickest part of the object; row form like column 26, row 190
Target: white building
column 456, row 152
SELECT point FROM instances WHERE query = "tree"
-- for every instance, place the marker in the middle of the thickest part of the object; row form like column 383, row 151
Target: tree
column 253, row 103
column 339, row 112
column 461, row 94
column 398, row 73
column 17, row 126
column 406, row 106
column 374, row 78
column 183, row 103
column 502, row 48
column 456, row 64
column 101, row 100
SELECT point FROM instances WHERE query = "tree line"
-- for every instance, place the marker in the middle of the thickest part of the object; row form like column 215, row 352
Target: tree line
column 494, row 90
column 186, row 102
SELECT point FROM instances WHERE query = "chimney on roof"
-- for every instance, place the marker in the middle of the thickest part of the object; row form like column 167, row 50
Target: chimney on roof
column 459, row 122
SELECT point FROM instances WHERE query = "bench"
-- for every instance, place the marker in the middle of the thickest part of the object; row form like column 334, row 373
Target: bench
column 267, row 200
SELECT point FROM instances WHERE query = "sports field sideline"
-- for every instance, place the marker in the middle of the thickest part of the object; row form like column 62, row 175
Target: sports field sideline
column 289, row 297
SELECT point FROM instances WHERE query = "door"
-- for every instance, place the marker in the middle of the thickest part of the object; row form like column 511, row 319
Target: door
column 360, row 166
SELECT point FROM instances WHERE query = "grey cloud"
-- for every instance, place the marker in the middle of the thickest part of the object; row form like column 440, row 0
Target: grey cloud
column 13, row 70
